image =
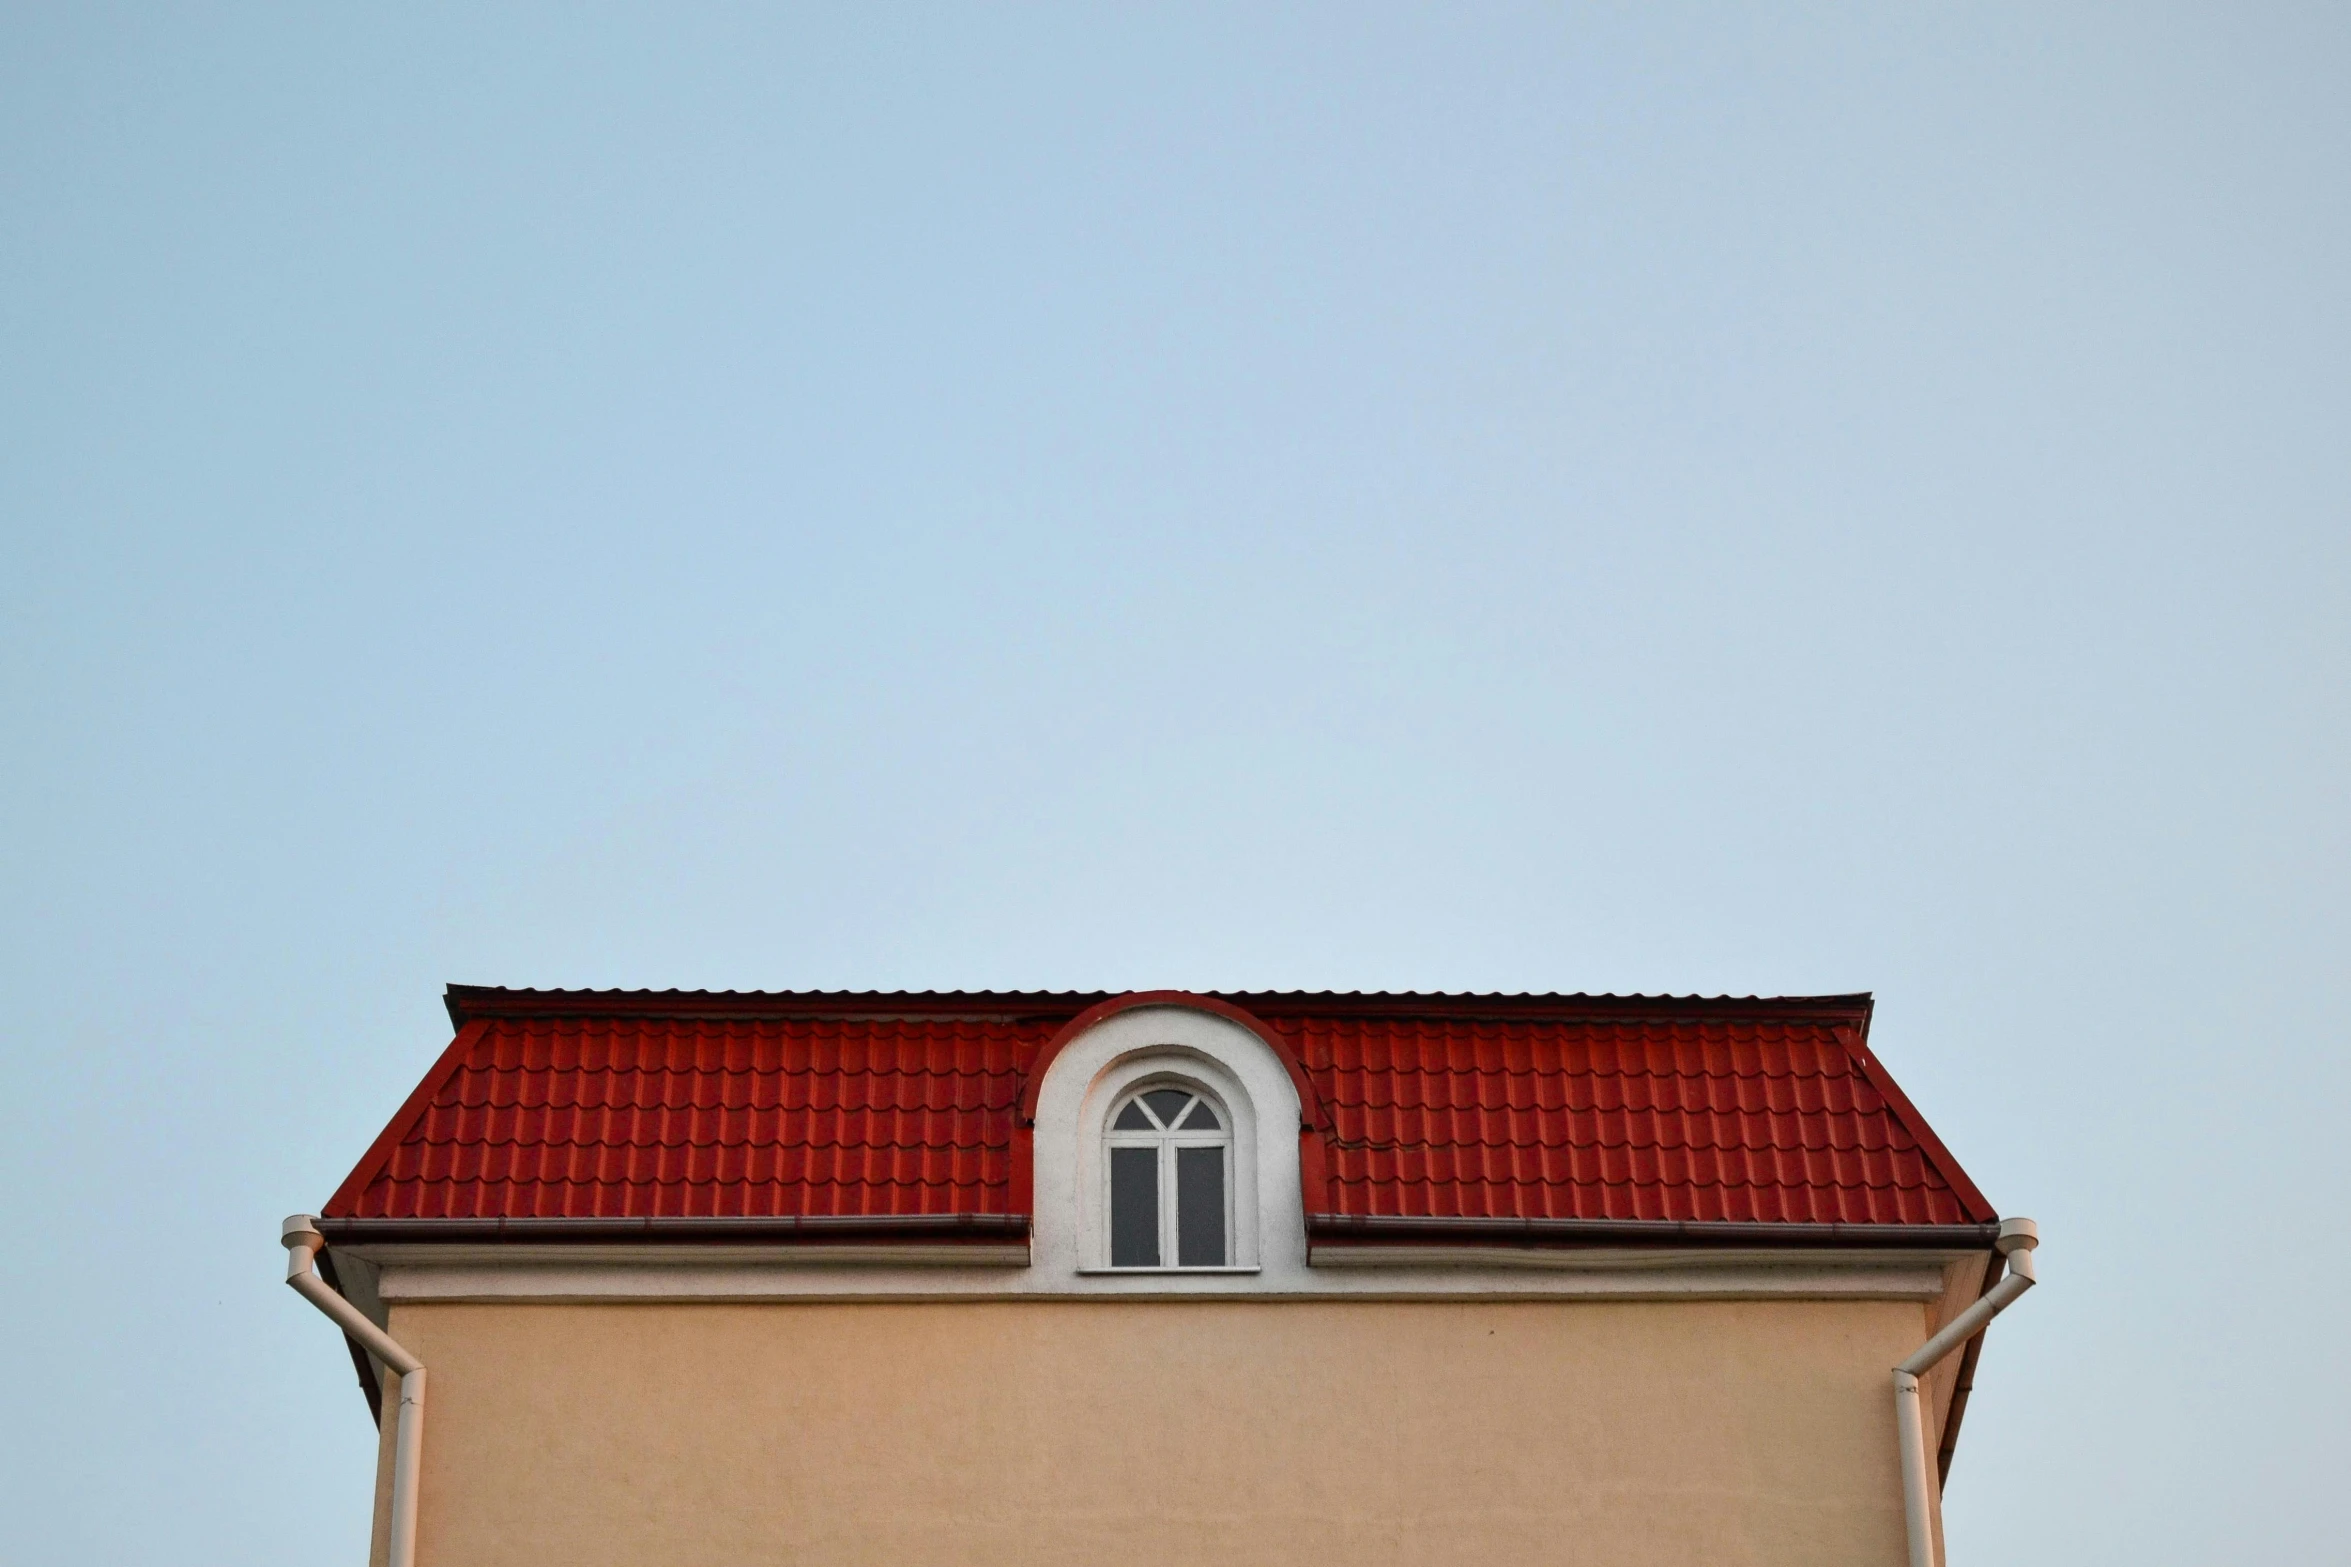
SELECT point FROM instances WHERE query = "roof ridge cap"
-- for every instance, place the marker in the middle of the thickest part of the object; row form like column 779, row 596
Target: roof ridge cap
column 468, row 1002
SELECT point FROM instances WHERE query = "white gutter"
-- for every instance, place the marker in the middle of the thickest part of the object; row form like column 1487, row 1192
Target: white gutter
column 303, row 1244
column 2017, row 1239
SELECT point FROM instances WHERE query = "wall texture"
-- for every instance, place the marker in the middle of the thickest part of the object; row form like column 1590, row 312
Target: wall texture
column 1149, row 1432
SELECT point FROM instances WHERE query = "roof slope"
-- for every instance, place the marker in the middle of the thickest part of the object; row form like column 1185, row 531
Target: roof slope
column 732, row 1105
column 1688, row 1119
column 644, row 1117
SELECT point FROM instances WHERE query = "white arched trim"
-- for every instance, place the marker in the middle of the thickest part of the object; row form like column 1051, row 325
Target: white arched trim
column 1092, row 1074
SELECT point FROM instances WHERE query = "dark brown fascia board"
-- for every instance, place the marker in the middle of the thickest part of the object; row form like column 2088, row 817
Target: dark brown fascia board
column 371, row 1386
column 1948, row 1448
column 819, row 1228
column 468, row 1002
column 1646, row 1232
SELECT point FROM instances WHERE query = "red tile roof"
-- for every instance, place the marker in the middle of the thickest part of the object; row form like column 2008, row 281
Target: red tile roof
column 1663, row 1118
column 828, row 1107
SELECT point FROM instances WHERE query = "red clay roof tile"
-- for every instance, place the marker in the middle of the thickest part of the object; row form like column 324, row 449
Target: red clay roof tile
column 553, row 1104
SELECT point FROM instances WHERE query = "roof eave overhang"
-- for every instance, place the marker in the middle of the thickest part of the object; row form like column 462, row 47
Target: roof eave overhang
column 1327, row 1227
column 823, row 1229
column 1369, row 1230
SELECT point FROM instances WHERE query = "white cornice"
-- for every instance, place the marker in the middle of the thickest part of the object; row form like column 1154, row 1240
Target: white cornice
column 416, row 1275
column 524, row 1256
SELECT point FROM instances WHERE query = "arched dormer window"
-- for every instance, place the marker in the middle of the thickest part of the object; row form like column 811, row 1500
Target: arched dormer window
column 1168, row 1170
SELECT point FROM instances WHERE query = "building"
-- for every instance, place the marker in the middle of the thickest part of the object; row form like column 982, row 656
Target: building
column 733, row 1278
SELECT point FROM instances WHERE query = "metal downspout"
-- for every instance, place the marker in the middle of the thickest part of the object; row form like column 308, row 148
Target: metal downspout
column 2016, row 1241
column 303, row 1244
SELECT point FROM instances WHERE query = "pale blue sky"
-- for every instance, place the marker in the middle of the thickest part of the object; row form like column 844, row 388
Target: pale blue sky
column 1451, row 498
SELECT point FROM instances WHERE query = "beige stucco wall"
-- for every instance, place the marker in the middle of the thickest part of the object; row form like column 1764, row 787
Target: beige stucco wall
column 1159, row 1432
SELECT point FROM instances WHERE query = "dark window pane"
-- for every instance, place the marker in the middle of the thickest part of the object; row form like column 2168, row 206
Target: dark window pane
column 1165, row 1102
column 1132, row 1118
column 1202, row 1119
column 1200, row 1207
column 1134, row 1207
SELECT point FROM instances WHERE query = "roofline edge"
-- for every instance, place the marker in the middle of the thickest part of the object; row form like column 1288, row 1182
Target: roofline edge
column 1716, row 1232
column 991, row 1226
column 468, row 1003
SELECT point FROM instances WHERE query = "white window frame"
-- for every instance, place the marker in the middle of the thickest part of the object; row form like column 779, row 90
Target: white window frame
column 1167, row 1142
column 1123, row 1054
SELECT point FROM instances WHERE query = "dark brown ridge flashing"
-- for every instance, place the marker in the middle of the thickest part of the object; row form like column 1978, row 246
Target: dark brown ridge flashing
column 469, row 1002
column 1855, row 1008
column 1645, row 1232
column 815, row 1228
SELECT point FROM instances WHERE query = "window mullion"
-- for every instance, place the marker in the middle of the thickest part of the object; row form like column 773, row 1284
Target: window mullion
column 1168, row 1237
column 1232, row 1230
